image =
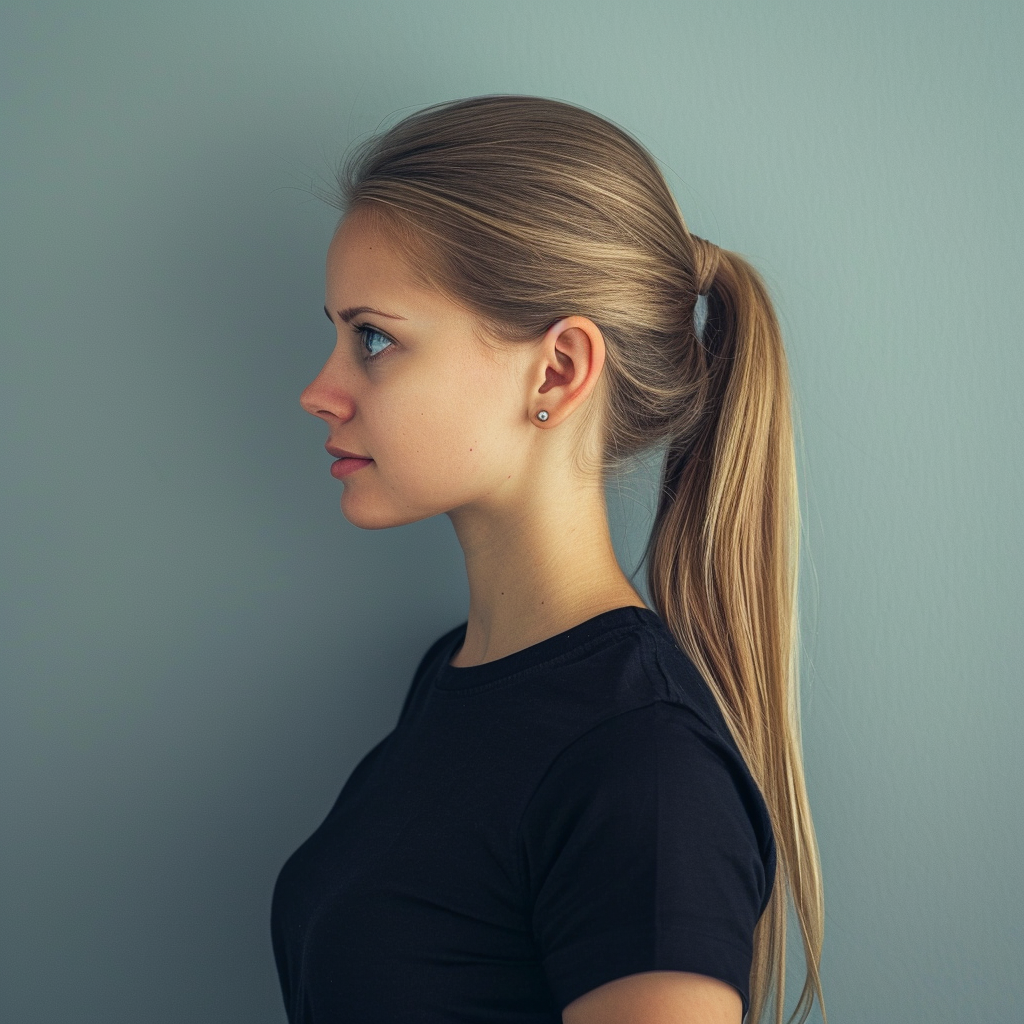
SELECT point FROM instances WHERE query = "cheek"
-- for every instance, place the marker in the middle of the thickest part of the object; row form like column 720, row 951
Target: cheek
column 447, row 437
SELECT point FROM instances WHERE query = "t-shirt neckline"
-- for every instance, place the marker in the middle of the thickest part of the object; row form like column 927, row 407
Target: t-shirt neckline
column 447, row 677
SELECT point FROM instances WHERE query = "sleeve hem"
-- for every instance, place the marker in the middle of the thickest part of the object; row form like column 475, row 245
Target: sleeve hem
column 606, row 956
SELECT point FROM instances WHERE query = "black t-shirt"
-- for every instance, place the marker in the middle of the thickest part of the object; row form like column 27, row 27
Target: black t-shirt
column 532, row 827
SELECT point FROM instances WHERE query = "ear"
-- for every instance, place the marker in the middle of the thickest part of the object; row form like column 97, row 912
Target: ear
column 565, row 369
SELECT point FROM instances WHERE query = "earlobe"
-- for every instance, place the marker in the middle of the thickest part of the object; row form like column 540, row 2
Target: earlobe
column 572, row 358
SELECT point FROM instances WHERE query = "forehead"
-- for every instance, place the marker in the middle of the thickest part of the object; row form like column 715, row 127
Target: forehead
column 367, row 267
column 362, row 255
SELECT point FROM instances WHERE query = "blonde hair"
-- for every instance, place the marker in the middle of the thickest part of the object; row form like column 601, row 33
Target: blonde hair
column 528, row 210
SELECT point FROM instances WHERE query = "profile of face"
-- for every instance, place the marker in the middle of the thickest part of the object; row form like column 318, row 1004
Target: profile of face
column 444, row 417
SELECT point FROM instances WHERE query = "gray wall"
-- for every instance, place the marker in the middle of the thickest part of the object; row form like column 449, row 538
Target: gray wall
column 197, row 648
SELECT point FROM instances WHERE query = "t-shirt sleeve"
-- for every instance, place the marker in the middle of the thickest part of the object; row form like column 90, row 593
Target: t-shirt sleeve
column 646, row 847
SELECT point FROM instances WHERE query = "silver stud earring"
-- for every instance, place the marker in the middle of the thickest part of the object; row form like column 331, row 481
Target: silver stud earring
column 542, row 415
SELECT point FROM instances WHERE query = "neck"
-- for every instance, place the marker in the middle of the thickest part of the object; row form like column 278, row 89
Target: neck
column 537, row 569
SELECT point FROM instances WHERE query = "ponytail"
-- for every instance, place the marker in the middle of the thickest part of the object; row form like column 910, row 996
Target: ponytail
column 722, row 562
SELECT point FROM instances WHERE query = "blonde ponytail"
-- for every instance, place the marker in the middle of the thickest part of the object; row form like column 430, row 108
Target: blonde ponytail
column 722, row 564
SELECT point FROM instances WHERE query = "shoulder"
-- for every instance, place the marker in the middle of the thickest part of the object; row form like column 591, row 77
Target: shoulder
column 677, row 679
column 650, row 771
column 639, row 695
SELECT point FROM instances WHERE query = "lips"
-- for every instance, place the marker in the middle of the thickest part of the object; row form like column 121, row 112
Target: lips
column 341, row 453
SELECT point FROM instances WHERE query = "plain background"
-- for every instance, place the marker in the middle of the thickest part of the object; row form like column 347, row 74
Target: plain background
column 197, row 648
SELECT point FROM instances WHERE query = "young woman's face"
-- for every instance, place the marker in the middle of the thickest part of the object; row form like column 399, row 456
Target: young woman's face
column 443, row 416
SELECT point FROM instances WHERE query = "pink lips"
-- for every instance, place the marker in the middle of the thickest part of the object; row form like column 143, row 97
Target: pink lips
column 347, row 462
column 342, row 467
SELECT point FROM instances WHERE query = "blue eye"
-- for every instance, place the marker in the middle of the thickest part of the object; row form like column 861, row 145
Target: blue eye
column 365, row 332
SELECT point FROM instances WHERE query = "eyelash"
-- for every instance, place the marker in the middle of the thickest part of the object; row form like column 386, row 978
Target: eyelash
column 361, row 330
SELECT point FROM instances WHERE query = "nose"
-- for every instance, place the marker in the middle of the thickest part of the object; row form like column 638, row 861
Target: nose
column 324, row 397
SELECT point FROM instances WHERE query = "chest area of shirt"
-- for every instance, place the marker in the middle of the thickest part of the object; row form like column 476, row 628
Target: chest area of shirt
column 428, row 829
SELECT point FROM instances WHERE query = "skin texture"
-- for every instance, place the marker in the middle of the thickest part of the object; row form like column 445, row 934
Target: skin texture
column 451, row 425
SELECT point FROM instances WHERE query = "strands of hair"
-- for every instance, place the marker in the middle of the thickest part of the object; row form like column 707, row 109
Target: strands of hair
column 528, row 209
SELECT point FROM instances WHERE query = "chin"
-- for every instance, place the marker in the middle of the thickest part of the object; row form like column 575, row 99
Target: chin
column 367, row 515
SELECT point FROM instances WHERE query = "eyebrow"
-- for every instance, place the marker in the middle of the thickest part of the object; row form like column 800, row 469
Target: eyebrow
column 347, row 314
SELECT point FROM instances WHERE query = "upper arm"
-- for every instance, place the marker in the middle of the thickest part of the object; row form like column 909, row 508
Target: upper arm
column 648, row 865
column 658, row 997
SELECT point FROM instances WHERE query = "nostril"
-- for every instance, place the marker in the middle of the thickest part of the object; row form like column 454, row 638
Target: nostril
column 307, row 400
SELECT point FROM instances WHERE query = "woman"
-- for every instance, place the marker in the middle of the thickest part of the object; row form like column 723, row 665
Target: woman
column 573, row 820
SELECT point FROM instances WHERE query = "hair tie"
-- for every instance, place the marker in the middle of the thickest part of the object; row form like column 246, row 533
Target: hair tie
column 706, row 257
